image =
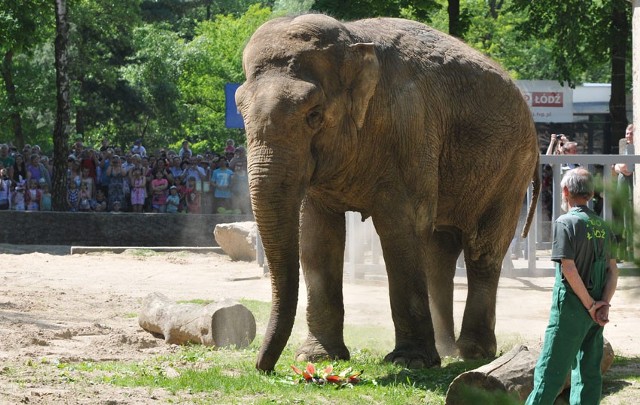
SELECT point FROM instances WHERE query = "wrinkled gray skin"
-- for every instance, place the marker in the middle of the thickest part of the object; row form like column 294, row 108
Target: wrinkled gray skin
column 401, row 123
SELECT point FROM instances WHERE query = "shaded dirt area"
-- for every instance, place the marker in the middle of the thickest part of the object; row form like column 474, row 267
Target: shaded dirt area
column 60, row 308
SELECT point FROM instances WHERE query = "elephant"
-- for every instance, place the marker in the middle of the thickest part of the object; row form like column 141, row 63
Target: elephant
column 403, row 124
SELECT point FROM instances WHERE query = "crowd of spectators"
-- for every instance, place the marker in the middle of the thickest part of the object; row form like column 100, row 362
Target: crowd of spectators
column 110, row 179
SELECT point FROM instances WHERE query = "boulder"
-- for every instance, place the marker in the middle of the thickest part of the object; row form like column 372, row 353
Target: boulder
column 237, row 239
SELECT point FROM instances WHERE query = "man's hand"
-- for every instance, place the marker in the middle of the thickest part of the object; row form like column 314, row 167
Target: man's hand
column 602, row 314
column 599, row 312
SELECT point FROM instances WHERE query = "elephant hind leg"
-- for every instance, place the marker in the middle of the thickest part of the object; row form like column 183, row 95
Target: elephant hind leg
column 444, row 247
column 477, row 335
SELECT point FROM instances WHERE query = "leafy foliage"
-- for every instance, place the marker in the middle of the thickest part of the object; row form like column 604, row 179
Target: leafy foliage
column 214, row 58
column 575, row 32
column 355, row 9
column 156, row 69
column 153, row 74
column 292, row 6
column 24, row 23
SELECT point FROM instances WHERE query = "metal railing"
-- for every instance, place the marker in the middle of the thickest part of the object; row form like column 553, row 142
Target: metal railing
column 556, row 162
column 363, row 253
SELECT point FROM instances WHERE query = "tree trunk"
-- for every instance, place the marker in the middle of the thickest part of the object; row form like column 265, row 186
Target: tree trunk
column 494, row 7
column 620, row 32
column 80, row 111
column 62, row 125
column 455, row 26
column 225, row 323
column 10, row 88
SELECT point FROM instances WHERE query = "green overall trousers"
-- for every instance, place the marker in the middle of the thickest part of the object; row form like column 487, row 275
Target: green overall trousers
column 573, row 341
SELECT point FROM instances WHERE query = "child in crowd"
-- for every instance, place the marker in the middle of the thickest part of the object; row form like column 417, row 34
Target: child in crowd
column 138, row 192
column 115, row 207
column 221, row 183
column 19, row 201
column 183, row 190
column 32, row 196
column 84, row 205
column 5, row 190
column 73, row 196
column 45, row 198
column 87, row 180
column 231, row 147
column 193, row 197
column 173, row 200
column 100, row 204
column 159, row 186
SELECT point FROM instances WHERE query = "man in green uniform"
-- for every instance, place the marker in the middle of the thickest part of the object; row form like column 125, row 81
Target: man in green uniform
column 586, row 279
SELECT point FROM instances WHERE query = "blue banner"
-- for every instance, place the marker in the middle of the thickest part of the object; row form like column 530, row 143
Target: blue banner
column 232, row 117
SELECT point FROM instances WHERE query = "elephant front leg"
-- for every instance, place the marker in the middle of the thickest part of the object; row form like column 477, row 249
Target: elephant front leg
column 322, row 240
column 404, row 258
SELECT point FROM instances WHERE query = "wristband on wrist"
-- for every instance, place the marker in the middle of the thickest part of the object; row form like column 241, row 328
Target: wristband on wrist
column 593, row 305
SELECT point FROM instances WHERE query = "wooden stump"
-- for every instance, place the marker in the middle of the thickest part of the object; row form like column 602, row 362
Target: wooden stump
column 225, row 323
column 510, row 373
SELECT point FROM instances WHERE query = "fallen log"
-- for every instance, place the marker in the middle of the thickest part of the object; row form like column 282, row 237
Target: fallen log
column 224, row 323
column 511, row 373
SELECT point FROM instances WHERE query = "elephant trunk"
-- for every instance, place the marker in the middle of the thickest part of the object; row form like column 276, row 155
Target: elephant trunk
column 276, row 195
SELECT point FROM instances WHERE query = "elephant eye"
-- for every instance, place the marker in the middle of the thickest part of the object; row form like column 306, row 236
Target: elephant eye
column 315, row 118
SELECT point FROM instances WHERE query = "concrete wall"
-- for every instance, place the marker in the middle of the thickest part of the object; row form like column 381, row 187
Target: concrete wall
column 108, row 229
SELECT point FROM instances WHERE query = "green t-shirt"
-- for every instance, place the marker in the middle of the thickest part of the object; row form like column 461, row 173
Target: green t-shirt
column 574, row 239
column 7, row 161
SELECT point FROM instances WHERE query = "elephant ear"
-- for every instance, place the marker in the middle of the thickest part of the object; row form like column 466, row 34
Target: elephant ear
column 361, row 76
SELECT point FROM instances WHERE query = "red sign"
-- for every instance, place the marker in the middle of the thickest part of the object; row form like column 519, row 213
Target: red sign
column 546, row 99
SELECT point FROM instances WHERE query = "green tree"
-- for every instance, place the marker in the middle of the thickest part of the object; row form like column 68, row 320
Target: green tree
column 103, row 103
column 183, row 16
column 211, row 60
column 355, row 9
column 292, row 6
column 154, row 74
column 23, row 25
column 492, row 28
column 581, row 35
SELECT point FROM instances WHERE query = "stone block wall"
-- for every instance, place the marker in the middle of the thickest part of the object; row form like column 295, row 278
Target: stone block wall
column 109, row 229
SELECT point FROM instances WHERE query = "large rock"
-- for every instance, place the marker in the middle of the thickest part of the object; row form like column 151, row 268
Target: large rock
column 237, row 239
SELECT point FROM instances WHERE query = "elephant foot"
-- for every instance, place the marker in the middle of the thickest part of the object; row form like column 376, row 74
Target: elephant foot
column 472, row 349
column 413, row 359
column 312, row 350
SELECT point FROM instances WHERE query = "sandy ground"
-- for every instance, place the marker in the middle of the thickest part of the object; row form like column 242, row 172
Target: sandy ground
column 57, row 307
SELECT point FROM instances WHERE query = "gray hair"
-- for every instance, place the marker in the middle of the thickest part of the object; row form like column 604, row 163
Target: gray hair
column 579, row 182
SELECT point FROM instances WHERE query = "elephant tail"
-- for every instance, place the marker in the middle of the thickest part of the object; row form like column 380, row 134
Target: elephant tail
column 534, row 199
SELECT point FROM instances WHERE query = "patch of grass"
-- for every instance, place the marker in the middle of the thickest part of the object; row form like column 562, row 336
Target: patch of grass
column 627, row 368
column 140, row 252
column 229, row 375
column 259, row 309
column 197, row 301
column 377, row 340
column 130, row 315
